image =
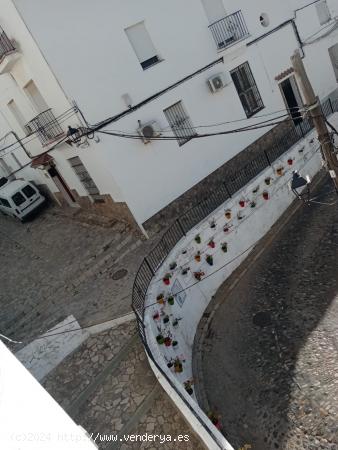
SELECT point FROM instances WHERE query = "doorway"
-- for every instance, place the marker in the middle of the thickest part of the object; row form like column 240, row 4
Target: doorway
column 292, row 98
column 62, row 186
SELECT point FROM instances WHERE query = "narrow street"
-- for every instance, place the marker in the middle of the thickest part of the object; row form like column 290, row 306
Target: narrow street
column 269, row 362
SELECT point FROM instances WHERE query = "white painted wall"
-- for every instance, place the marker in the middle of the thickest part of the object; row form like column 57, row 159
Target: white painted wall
column 106, row 67
column 30, row 418
column 242, row 237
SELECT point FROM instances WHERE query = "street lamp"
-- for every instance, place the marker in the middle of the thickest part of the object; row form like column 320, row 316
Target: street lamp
column 297, row 184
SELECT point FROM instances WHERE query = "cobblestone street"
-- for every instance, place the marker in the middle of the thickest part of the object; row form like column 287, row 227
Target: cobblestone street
column 269, row 362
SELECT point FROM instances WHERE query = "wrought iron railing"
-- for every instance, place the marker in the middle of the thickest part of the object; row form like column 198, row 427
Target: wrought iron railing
column 6, row 45
column 46, row 127
column 236, row 181
column 229, row 30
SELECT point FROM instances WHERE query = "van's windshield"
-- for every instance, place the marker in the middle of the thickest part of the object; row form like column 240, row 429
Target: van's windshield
column 18, row 199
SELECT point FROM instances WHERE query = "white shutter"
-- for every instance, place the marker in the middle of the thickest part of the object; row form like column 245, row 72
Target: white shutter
column 141, row 42
column 323, row 12
column 214, row 10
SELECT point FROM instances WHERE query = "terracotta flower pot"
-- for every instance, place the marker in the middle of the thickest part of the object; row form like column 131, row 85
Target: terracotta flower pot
column 198, row 258
column 279, row 171
column 160, row 299
column 178, row 367
column 227, row 214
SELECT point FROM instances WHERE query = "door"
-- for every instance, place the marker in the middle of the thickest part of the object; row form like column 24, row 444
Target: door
column 333, row 52
column 214, row 10
column 62, row 186
column 292, row 98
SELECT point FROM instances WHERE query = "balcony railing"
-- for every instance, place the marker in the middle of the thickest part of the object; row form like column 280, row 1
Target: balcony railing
column 229, row 30
column 46, row 127
column 6, row 45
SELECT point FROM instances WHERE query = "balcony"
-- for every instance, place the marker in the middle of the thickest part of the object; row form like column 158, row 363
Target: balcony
column 45, row 126
column 229, row 30
column 8, row 53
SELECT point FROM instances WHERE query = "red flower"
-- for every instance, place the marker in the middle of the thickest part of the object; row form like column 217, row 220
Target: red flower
column 242, row 203
column 290, row 161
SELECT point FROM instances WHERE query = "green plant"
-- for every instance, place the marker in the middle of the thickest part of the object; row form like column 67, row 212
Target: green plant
column 173, row 265
column 198, row 239
column 160, row 339
column 224, row 247
column 210, row 260
column 171, row 300
column 175, row 344
column 185, row 270
column 166, row 319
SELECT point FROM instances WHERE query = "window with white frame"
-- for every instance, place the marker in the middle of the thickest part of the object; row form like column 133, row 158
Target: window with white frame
column 180, row 123
column 16, row 113
column 142, row 44
column 323, row 12
column 35, row 97
column 247, row 89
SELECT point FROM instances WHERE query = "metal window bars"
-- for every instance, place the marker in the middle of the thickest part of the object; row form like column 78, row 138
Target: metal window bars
column 6, row 45
column 229, row 30
column 180, row 123
column 46, row 127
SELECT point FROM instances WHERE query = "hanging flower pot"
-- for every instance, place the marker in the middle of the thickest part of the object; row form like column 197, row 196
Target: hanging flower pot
column 212, row 224
column 160, row 299
column 240, row 216
column 211, row 243
column 224, row 247
column 170, row 364
column 266, row 195
column 175, row 344
column 254, row 191
column 178, row 366
column 167, row 341
column 198, row 275
column 290, row 161
column 198, row 239
column 166, row 319
column 176, row 323
column 241, row 203
column 160, row 339
column 253, row 204
column 279, row 171
column 210, row 260
column 173, row 265
column 228, row 214
column 171, row 300
column 188, row 387
column 166, row 279
column 267, row 181
column 198, row 256
column 156, row 316
column 185, row 271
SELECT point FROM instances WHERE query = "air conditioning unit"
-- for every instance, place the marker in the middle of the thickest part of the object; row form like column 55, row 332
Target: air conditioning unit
column 149, row 131
column 219, row 81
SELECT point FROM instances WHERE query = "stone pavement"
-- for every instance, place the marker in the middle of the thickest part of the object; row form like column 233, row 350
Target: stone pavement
column 108, row 387
column 270, row 353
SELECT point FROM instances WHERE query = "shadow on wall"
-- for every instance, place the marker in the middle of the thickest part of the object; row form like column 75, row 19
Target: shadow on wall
column 268, row 373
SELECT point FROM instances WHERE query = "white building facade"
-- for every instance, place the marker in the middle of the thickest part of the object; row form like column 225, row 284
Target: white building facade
column 168, row 69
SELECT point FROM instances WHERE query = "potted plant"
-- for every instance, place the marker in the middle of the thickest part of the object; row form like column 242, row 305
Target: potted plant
column 160, row 339
column 254, row 191
column 170, row 364
column 178, row 365
column 175, row 322
column 173, row 265
column 166, row 279
column 226, row 228
column 240, row 216
column 188, row 387
column 160, row 299
column 166, row 319
column 184, row 252
column 224, row 247
column 213, row 224
column 198, row 275
column 215, row 419
column 211, row 243
column 156, row 316
column 301, row 150
column 171, row 300
column 279, row 170
column 266, row 195
column 290, row 161
column 253, row 204
column 198, row 239
column 268, row 181
column 167, row 341
column 198, row 256
column 185, row 270
column 228, row 214
column 175, row 344
column 210, row 260
column 242, row 203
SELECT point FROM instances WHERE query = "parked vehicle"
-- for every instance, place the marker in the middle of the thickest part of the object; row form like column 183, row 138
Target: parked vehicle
column 20, row 199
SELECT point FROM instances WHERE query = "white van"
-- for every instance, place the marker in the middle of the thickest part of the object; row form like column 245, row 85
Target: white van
column 19, row 199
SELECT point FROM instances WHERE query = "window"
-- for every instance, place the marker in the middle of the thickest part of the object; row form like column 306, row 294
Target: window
column 28, row 191
column 247, row 89
column 35, row 97
column 85, row 178
column 15, row 111
column 5, row 203
column 142, row 44
column 323, row 12
column 180, row 123
column 18, row 199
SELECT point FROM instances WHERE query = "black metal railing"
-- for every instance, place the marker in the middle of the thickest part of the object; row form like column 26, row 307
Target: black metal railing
column 234, row 182
column 229, row 30
column 6, row 45
column 46, row 127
